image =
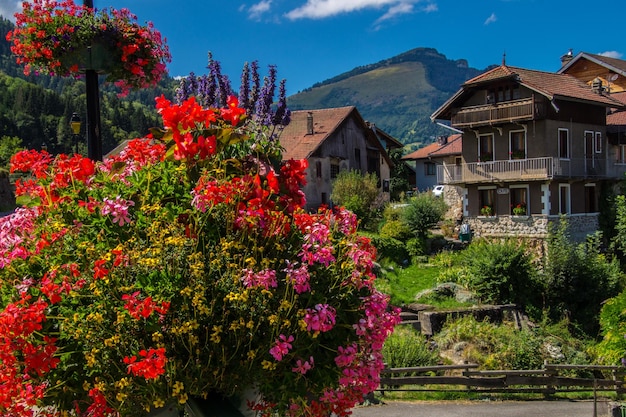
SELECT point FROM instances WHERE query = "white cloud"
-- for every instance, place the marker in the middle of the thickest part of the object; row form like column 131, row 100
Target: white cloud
column 9, row 7
column 256, row 10
column 319, row 9
column 430, row 7
column 612, row 54
column 396, row 10
column 491, row 19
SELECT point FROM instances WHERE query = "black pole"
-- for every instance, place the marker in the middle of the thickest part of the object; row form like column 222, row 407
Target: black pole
column 94, row 137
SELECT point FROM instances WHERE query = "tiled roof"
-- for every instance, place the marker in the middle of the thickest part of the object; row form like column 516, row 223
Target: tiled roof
column 616, row 119
column 621, row 96
column 300, row 145
column 549, row 84
column 452, row 147
column 612, row 62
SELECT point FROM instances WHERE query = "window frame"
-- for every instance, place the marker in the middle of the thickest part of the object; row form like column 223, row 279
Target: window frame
column 490, row 147
column 567, row 143
column 490, row 192
column 513, row 189
column 512, row 151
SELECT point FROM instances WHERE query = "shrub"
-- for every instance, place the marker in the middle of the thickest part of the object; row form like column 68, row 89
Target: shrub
column 391, row 250
column 417, row 247
column 356, row 192
column 407, row 348
column 501, row 273
column 396, row 229
column 579, row 278
column 612, row 348
column 423, row 212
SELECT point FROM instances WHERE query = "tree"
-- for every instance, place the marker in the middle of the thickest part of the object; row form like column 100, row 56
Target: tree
column 579, row 278
column 356, row 192
column 423, row 212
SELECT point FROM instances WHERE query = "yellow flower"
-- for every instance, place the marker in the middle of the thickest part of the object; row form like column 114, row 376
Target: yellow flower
column 185, row 292
column 157, row 337
column 158, row 403
column 273, row 319
column 251, row 354
column 121, row 396
column 215, row 336
column 183, row 399
column 270, row 366
column 178, row 387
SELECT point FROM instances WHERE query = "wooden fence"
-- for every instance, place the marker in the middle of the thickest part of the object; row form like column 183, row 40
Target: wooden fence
column 549, row 380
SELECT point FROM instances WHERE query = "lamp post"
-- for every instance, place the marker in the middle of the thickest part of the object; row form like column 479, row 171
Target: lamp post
column 94, row 137
column 75, row 125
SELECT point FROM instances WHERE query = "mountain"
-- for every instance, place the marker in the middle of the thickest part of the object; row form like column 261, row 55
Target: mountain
column 397, row 94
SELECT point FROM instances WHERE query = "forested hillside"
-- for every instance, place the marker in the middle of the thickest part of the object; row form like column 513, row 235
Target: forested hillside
column 35, row 111
column 397, row 94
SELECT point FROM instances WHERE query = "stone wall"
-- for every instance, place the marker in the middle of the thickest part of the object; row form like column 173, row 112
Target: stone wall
column 533, row 226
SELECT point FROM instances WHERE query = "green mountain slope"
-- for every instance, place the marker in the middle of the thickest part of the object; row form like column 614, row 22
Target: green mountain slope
column 397, row 94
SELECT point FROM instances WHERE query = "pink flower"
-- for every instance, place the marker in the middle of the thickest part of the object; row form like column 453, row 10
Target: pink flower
column 281, row 346
column 118, row 208
column 299, row 277
column 265, row 279
column 321, row 318
column 303, row 367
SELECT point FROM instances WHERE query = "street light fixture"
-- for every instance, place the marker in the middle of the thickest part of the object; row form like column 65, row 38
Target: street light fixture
column 75, row 125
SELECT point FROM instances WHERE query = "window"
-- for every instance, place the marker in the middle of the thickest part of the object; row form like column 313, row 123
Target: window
column 334, row 170
column 598, row 144
column 487, row 201
column 318, row 169
column 485, row 147
column 519, row 201
column 430, row 168
column 357, row 159
column 564, row 199
column 621, row 154
column 564, row 143
column 517, row 144
column 590, row 198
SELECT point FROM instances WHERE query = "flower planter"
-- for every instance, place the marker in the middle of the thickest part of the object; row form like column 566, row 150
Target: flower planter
column 98, row 57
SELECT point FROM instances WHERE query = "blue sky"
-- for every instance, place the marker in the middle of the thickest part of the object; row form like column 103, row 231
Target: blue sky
column 313, row 40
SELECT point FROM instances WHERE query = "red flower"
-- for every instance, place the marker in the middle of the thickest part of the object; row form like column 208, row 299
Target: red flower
column 151, row 367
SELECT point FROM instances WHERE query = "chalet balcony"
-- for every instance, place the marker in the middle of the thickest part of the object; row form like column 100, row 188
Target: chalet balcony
column 532, row 169
column 489, row 114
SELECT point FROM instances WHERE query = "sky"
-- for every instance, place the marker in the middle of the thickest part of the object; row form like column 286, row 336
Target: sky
column 311, row 41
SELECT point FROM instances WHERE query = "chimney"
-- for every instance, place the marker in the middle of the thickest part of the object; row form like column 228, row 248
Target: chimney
column 567, row 57
column 309, row 123
column 596, row 85
column 442, row 140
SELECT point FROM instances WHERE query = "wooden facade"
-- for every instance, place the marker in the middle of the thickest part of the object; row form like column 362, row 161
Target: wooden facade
column 334, row 140
column 534, row 143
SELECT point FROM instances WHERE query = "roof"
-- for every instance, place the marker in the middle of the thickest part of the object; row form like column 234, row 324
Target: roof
column 616, row 119
column 614, row 64
column 300, row 145
column 551, row 85
column 452, row 147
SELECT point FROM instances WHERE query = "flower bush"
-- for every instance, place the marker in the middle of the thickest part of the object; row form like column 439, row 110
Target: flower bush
column 52, row 37
column 184, row 266
column 486, row 210
column 519, row 209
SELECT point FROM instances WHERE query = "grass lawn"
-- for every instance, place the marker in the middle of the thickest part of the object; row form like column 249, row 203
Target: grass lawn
column 403, row 283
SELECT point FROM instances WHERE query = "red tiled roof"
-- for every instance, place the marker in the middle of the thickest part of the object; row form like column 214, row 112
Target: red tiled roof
column 300, row 145
column 452, row 147
column 616, row 119
column 621, row 96
column 549, row 84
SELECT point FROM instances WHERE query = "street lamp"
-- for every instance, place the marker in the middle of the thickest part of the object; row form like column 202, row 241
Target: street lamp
column 75, row 125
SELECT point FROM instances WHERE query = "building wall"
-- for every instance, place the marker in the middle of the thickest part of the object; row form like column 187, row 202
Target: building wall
column 345, row 149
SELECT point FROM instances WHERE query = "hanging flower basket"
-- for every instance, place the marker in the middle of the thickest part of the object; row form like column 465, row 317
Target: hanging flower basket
column 62, row 38
column 184, row 267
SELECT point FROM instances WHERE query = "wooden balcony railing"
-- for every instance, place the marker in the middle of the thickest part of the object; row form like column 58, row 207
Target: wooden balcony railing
column 531, row 169
column 516, row 110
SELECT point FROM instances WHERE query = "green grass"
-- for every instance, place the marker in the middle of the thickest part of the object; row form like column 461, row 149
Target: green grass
column 403, row 283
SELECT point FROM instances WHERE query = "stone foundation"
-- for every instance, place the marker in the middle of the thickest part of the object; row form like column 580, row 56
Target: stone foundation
column 533, row 226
